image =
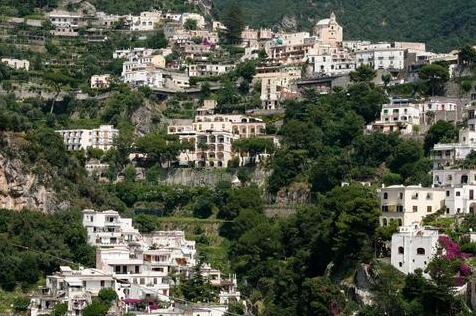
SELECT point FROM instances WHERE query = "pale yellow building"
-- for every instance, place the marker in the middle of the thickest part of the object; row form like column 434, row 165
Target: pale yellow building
column 328, row 31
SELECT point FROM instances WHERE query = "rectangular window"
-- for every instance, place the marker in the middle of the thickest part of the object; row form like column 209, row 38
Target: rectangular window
column 415, row 209
column 428, row 209
column 471, row 194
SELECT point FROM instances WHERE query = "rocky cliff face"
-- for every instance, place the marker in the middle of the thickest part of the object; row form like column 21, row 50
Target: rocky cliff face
column 19, row 186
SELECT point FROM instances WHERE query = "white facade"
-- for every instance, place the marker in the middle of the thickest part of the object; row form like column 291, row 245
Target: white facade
column 76, row 288
column 409, row 204
column 445, row 155
column 453, row 177
column 146, row 21
column 108, row 228
column 136, row 266
column 200, row 70
column 132, row 53
column 17, row 63
column 332, row 64
column 81, row 139
column 389, row 59
column 398, row 116
column 413, row 247
column 460, row 200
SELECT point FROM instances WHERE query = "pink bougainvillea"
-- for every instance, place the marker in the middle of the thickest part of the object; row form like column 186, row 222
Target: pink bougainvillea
column 452, row 249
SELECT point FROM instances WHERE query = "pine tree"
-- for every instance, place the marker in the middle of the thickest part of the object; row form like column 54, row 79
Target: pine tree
column 234, row 24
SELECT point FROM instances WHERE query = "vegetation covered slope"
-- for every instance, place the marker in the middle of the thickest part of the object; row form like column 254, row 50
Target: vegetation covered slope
column 442, row 24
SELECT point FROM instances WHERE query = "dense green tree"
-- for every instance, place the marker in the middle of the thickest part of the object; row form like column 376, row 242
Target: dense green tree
column 107, row 295
column 160, row 148
column 233, row 21
column 190, row 24
column 440, row 132
column 203, row 207
column 435, row 77
column 364, row 73
column 467, row 55
column 60, row 309
column 96, row 308
column 157, row 40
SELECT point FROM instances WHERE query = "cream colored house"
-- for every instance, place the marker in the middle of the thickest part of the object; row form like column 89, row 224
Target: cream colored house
column 409, row 204
column 17, row 63
column 212, row 135
column 100, row 81
column 274, row 84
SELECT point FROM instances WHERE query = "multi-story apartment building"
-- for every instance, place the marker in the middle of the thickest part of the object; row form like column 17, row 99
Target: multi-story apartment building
column 171, row 250
column 445, row 155
column 211, row 136
column 132, row 53
column 108, row 228
column 136, row 266
column 146, row 21
column 17, row 63
column 413, row 247
column 75, row 288
column 453, row 177
column 440, row 109
column 66, row 23
column 330, row 64
column 388, row 58
column 82, row 139
column 409, row 204
column 136, row 278
column 400, row 115
column 202, row 70
column 274, row 84
column 460, row 199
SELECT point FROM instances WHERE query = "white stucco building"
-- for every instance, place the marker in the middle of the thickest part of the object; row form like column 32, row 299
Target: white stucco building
column 460, row 200
column 203, row 70
column 17, row 63
column 81, row 139
column 409, row 204
column 387, row 58
column 400, row 115
column 76, row 288
column 445, row 155
column 413, row 247
column 108, row 228
column 146, row 21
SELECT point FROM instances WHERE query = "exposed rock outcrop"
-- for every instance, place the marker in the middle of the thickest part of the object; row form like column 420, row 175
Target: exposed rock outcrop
column 20, row 187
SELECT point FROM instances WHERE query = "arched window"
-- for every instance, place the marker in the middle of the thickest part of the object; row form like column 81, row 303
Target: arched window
column 385, row 195
column 420, row 251
column 400, row 223
column 401, row 250
column 384, row 222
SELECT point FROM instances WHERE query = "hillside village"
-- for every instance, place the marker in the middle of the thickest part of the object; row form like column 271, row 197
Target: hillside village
column 175, row 162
